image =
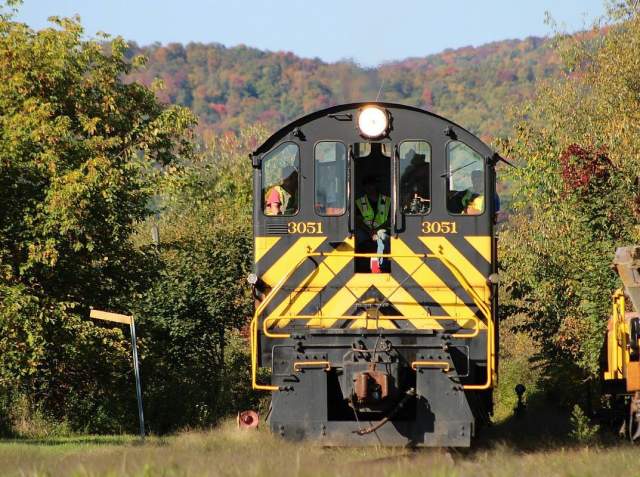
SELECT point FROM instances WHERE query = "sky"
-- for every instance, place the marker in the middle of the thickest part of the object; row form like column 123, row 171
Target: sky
column 368, row 32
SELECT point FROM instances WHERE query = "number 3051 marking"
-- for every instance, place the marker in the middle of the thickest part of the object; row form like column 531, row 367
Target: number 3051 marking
column 439, row 228
column 304, row 227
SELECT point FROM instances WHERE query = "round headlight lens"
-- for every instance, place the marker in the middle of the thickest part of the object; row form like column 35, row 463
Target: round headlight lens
column 373, row 121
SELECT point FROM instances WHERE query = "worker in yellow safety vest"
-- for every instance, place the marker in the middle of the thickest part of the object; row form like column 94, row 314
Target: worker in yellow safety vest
column 373, row 220
column 282, row 199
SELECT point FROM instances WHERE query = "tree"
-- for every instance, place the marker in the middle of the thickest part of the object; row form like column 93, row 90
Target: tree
column 575, row 196
column 196, row 360
column 80, row 152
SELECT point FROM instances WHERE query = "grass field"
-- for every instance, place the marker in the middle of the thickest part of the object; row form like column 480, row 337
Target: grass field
column 227, row 451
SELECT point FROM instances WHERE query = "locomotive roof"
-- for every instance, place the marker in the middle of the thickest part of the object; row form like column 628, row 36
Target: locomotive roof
column 307, row 118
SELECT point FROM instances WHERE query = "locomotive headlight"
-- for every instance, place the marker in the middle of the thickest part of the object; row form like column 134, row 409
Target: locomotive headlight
column 373, row 121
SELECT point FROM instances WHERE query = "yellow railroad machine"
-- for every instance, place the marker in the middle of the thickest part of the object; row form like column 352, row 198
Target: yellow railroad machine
column 359, row 354
column 622, row 370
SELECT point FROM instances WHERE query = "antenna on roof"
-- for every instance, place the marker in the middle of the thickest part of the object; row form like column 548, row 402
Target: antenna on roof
column 380, row 90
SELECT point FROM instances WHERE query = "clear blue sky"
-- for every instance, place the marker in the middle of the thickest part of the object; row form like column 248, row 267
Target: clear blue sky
column 367, row 31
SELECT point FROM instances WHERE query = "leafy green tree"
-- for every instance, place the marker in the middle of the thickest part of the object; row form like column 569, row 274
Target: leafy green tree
column 195, row 358
column 79, row 154
column 575, row 197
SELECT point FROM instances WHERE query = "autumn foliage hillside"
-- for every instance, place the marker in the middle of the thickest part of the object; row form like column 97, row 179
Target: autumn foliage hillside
column 229, row 88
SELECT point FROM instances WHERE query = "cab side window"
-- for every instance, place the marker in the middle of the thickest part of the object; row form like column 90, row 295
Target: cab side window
column 330, row 178
column 415, row 177
column 465, row 180
column 281, row 180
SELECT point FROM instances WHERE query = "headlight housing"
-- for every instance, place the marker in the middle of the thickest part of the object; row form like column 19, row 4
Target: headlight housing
column 373, row 122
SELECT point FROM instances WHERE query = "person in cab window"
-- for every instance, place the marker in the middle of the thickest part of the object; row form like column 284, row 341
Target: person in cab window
column 414, row 183
column 473, row 199
column 282, row 199
column 372, row 221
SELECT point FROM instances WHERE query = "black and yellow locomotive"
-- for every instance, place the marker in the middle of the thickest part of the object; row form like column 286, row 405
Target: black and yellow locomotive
column 366, row 343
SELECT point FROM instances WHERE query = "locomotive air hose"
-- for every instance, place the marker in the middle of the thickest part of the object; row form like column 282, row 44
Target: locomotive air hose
column 411, row 392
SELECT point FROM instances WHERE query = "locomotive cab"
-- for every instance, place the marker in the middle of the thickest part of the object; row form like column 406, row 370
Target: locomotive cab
column 359, row 354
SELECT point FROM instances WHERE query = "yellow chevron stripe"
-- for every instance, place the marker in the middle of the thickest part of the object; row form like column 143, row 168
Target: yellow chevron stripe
column 263, row 245
column 314, row 283
column 471, row 273
column 482, row 243
column 442, row 294
column 344, row 299
column 290, row 258
column 404, row 303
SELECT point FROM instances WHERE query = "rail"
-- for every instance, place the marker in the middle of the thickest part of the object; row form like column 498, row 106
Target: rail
column 468, row 288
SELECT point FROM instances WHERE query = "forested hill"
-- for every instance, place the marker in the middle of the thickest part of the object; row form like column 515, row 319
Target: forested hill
column 232, row 87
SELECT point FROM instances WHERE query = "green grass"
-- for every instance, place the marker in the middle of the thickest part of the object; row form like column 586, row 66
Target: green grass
column 230, row 452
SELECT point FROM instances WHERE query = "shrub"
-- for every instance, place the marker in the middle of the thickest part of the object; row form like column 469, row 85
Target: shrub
column 581, row 428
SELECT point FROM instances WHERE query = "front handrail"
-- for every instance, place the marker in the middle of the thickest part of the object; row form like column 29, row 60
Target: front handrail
column 482, row 306
column 490, row 331
column 253, row 328
column 267, row 322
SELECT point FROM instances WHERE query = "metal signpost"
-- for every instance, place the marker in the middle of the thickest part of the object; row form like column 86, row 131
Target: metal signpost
column 127, row 320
